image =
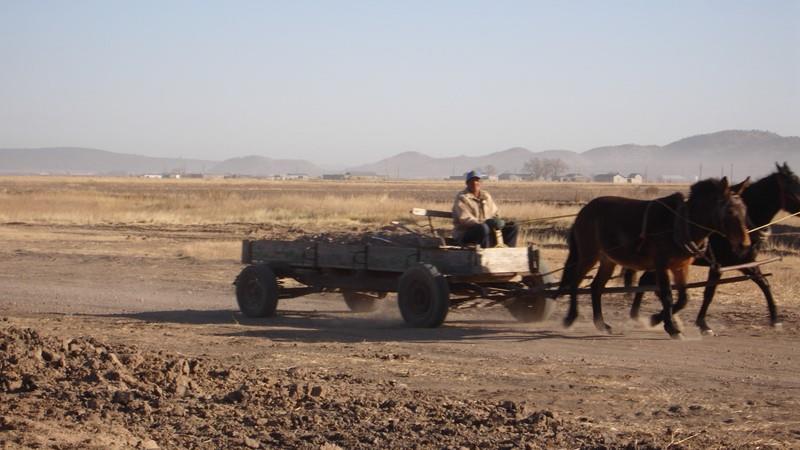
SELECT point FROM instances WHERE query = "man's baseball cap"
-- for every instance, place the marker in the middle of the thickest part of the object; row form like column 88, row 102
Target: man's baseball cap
column 473, row 174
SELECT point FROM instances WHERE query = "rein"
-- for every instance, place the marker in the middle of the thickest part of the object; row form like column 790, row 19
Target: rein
column 545, row 219
column 680, row 229
column 782, row 196
column 773, row 222
column 689, row 221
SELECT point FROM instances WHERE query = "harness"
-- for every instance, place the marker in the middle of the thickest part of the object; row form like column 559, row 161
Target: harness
column 680, row 230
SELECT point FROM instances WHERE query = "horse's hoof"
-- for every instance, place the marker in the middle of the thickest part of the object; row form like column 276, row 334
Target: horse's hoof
column 568, row 321
column 708, row 332
column 677, row 336
column 777, row 325
column 655, row 319
column 603, row 327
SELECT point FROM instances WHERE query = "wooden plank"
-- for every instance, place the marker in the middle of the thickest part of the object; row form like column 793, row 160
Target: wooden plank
column 449, row 261
column 247, row 252
column 342, row 256
column 752, row 264
column 391, row 259
column 456, row 261
column 298, row 254
column 431, row 213
column 478, row 261
column 503, row 260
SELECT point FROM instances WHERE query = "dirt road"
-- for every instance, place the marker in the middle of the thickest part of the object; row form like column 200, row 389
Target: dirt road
column 136, row 289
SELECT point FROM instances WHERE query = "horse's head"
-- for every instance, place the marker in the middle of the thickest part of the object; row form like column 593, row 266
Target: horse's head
column 718, row 206
column 789, row 187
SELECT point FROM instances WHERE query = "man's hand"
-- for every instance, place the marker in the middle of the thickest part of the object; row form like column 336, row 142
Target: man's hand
column 496, row 223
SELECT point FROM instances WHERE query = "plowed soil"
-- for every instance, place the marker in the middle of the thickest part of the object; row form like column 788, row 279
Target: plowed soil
column 116, row 337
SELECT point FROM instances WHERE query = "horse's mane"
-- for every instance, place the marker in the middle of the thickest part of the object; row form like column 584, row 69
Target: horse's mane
column 783, row 172
column 709, row 186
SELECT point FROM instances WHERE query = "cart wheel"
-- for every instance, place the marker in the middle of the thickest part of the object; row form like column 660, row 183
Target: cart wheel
column 423, row 296
column 359, row 302
column 535, row 307
column 257, row 291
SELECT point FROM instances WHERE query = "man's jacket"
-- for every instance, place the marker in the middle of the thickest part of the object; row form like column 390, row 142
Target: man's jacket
column 469, row 210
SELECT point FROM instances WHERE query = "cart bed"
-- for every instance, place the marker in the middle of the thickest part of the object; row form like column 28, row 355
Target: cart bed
column 449, row 260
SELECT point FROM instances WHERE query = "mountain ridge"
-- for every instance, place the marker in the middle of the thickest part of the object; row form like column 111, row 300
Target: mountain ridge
column 756, row 150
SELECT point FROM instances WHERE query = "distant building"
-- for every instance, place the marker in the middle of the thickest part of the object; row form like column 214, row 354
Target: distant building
column 363, row 175
column 296, row 176
column 635, row 178
column 153, row 176
column 335, row 176
column 574, row 178
column 192, row 175
column 456, row 177
column 506, row 176
column 611, row 177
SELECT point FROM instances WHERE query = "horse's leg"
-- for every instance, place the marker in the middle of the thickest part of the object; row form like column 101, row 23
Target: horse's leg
column 647, row 279
column 679, row 279
column 582, row 267
column 708, row 295
column 665, row 294
column 604, row 272
column 627, row 275
column 761, row 281
column 680, row 276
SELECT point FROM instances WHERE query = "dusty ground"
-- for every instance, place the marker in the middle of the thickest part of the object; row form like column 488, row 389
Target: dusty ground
column 129, row 337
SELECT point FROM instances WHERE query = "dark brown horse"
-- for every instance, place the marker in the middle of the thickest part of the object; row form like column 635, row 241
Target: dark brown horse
column 660, row 235
column 764, row 198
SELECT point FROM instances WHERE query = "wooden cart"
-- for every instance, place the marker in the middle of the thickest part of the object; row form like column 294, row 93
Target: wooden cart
column 428, row 280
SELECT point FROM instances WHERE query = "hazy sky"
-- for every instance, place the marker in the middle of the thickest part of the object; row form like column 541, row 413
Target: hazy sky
column 342, row 82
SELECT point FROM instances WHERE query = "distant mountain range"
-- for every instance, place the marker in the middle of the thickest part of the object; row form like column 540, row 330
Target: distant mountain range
column 746, row 152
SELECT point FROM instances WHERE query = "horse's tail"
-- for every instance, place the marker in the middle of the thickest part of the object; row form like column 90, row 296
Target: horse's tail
column 569, row 273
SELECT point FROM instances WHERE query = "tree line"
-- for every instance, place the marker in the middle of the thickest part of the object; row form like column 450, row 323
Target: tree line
column 537, row 168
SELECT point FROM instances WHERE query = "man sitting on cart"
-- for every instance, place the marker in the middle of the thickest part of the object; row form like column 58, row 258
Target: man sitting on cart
column 475, row 217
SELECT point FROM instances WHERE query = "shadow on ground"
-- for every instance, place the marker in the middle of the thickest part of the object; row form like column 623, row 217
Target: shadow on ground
column 330, row 326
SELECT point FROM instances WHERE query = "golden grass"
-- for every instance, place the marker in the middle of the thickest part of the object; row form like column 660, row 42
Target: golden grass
column 314, row 206
column 189, row 202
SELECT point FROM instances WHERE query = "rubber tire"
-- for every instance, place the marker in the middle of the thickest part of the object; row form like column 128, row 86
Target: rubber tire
column 423, row 296
column 359, row 303
column 257, row 291
column 537, row 307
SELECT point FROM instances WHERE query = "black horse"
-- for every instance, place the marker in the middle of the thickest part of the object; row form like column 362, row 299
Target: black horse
column 661, row 235
column 764, row 198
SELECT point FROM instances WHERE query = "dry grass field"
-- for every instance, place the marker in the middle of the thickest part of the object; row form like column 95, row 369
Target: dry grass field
column 286, row 209
column 306, row 203
column 307, row 206
column 117, row 262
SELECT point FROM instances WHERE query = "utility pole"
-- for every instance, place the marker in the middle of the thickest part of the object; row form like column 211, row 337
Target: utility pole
column 700, row 176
